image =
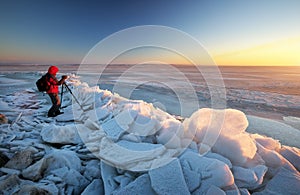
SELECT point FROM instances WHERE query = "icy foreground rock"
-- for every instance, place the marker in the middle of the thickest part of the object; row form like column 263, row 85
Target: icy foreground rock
column 121, row 146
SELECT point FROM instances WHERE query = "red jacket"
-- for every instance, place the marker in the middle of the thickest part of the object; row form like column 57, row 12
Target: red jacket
column 54, row 83
column 51, row 78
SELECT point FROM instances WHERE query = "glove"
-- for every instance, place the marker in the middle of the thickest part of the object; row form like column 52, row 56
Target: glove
column 64, row 77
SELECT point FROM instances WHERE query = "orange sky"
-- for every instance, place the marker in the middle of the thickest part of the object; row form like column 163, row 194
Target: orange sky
column 285, row 52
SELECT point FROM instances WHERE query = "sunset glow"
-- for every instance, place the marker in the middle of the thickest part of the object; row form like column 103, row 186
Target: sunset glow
column 278, row 53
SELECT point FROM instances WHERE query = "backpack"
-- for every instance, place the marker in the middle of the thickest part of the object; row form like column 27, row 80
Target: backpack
column 42, row 84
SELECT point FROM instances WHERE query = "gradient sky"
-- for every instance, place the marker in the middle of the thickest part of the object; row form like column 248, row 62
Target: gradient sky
column 234, row 32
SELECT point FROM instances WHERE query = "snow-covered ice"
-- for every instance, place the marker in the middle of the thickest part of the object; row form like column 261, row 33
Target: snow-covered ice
column 121, row 146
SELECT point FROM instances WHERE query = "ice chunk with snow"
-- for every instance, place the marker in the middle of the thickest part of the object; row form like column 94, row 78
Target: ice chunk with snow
column 223, row 132
column 143, row 125
column 21, row 159
column 141, row 185
column 138, row 146
column 117, row 126
column 168, row 179
column 170, row 134
column 169, row 142
column 277, row 130
column 140, row 115
column 28, row 189
column 237, row 191
column 97, row 114
column 108, row 173
column 95, row 187
column 171, row 126
column 98, row 99
column 215, row 190
column 219, row 157
column 101, row 113
column 72, row 178
column 113, row 130
column 92, row 170
column 35, row 171
column 131, row 137
column 4, row 106
column 272, row 158
column 61, row 134
column 212, row 171
column 226, row 122
column 123, row 180
column 192, row 178
column 10, row 171
column 63, row 158
column 292, row 154
column 236, row 148
column 49, row 187
column 69, row 115
column 91, row 124
column 284, row 182
column 12, row 184
column 9, row 184
column 56, row 159
column 128, row 157
column 249, row 178
column 206, row 124
column 267, row 142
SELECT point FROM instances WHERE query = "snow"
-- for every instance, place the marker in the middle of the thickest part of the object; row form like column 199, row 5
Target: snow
column 284, row 182
column 249, row 178
column 60, row 134
column 292, row 154
column 114, row 129
column 141, row 185
column 121, row 146
column 207, row 125
column 95, row 187
column 170, row 134
column 223, row 132
column 211, row 171
column 168, row 179
column 108, row 173
column 220, row 158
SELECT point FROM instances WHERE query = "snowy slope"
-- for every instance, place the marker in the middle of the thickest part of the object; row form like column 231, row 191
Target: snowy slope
column 121, row 146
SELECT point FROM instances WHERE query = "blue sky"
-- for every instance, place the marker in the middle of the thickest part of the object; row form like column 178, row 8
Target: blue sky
column 233, row 31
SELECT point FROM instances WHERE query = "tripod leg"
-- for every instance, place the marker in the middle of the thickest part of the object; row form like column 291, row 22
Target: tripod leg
column 73, row 95
column 61, row 95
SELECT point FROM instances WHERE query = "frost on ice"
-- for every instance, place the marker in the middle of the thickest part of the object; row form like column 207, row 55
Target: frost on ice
column 121, row 146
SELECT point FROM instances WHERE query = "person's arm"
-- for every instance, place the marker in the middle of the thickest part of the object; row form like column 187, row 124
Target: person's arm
column 53, row 80
column 62, row 80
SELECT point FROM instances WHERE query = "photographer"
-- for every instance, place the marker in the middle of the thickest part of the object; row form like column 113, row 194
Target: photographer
column 53, row 90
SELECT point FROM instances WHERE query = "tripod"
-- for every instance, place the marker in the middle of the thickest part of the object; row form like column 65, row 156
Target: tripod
column 64, row 85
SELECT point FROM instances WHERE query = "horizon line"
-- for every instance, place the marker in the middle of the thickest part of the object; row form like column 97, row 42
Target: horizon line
column 131, row 64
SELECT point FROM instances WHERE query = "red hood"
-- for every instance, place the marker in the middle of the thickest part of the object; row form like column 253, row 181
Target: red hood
column 53, row 70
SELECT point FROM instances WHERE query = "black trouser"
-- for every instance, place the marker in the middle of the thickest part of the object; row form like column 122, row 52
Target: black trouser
column 54, row 110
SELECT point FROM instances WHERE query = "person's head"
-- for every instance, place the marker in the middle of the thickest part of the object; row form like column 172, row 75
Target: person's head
column 53, row 70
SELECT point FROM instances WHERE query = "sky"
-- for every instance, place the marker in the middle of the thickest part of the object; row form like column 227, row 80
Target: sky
column 234, row 32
